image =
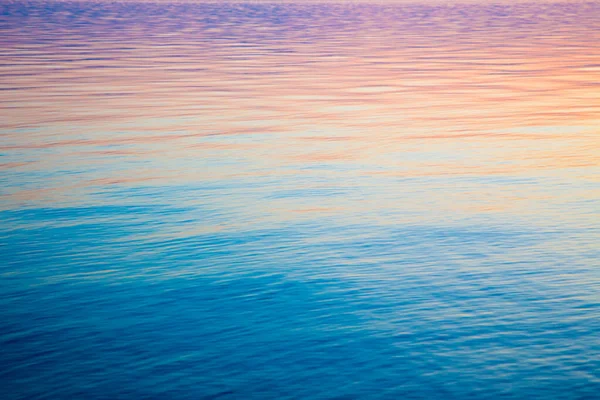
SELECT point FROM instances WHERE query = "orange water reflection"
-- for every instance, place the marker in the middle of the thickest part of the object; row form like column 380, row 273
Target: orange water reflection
column 139, row 94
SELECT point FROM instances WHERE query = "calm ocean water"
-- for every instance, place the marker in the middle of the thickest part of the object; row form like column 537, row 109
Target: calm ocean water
column 299, row 201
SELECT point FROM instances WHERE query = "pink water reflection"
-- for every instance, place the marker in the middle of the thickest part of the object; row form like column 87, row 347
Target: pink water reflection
column 163, row 94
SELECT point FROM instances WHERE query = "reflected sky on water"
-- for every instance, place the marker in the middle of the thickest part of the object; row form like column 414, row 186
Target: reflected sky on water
column 299, row 200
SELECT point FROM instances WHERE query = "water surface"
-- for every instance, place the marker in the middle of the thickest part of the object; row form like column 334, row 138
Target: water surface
column 318, row 201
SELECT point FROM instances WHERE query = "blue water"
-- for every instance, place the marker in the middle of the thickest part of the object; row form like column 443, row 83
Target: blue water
column 287, row 201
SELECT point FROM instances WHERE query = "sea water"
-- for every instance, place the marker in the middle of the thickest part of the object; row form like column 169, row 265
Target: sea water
column 299, row 201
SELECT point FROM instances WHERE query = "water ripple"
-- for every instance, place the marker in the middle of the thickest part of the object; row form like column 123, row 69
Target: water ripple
column 288, row 200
